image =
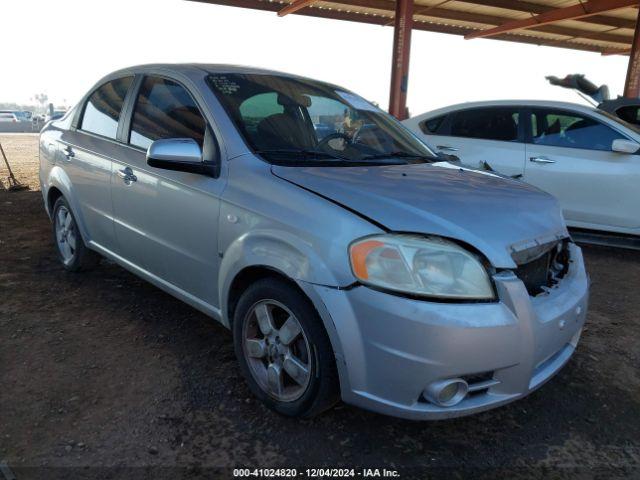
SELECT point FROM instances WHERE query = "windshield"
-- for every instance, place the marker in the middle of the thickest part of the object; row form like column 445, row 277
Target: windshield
column 294, row 121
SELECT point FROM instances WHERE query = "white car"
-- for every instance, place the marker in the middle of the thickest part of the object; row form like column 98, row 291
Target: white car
column 8, row 117
column 587, row 158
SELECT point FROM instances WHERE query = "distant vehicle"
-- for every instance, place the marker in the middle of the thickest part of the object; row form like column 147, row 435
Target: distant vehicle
column 356, row 263
column 20, row 116
column 57, row 114
column 628, row 109
column 8, row 117
column 587, row 158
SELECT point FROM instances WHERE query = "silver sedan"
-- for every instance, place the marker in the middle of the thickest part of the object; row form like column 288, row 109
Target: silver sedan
column 348, row 260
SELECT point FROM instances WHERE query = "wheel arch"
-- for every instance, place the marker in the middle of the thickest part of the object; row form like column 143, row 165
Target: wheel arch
column 59, row 185
column 253, row 273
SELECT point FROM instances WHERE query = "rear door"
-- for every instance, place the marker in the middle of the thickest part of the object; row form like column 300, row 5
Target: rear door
column 477, row 135
column 166, row 221
column 85, row 155
column 569, row 155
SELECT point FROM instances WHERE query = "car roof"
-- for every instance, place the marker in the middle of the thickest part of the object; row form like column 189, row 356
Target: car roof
column 211, row 68
column 510, row 103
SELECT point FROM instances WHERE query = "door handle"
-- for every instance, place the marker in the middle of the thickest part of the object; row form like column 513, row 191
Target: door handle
column 446, row 148
column 541, row 160
column 68, row 152
column 127, row 175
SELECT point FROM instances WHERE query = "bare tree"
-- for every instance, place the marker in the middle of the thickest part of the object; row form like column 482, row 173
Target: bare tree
column 42, row 99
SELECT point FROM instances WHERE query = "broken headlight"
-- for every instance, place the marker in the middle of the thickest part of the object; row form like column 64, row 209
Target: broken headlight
column 424, row 266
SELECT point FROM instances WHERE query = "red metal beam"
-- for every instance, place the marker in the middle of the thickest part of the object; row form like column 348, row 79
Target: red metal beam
column 400, row 61
column 574, row 12
column 632, row 83
column 607, row 53
column 334, row 14
column 294, row 7
column 528, row 7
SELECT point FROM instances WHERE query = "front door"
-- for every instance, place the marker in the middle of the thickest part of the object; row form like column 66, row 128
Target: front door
column 166, row 221
column 569, row 155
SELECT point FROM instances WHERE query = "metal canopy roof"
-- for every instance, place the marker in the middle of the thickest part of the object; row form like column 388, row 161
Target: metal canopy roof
column 605, row 26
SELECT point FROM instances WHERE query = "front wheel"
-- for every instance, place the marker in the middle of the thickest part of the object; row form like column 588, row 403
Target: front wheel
column 72, row 252
column 283, row 350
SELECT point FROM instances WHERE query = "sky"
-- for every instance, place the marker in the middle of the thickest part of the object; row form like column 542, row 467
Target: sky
column 63, row 47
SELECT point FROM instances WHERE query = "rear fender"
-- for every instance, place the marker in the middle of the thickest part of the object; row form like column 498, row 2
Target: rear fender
column 60, row 180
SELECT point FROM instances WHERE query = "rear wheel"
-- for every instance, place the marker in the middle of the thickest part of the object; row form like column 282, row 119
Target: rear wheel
column 283, row 350
column 72, row 252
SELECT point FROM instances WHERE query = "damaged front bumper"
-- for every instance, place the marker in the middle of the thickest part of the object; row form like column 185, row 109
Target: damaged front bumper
column 391, row 348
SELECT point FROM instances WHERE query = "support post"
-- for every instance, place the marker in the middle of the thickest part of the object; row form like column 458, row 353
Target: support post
column 632, row 83
column 400, row 62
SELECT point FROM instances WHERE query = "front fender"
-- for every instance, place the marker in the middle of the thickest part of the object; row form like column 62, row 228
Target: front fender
column 277, row 250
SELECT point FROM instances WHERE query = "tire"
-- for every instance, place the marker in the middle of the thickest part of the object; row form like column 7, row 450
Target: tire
column 72, row 252
column 268, row 359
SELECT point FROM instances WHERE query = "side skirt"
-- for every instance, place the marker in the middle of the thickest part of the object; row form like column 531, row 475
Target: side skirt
column 170, row 288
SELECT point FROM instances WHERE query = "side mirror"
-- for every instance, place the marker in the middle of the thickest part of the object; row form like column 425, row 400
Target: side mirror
column 624, row 146
column 179, row 154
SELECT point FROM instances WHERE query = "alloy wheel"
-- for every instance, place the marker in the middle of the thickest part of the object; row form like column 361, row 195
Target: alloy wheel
column 277, row 350
column 65, row 234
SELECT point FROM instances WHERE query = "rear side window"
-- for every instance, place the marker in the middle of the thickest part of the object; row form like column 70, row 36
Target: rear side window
column 487, row 123
column 571, row 130
column 432, row 125
column 164, row 109
column 102, row 110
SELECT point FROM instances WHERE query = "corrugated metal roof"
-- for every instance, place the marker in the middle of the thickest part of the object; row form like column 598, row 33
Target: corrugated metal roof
column 606, row 32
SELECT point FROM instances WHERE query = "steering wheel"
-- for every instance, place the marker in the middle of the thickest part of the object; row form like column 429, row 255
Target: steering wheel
column 333, row 136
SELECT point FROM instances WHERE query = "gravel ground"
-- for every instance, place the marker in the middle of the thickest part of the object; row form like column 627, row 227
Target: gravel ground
column 103, row 370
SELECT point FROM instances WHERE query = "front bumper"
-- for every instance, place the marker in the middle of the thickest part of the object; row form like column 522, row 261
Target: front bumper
column 389, row 348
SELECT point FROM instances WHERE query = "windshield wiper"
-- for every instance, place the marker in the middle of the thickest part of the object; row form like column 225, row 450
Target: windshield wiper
column 400, row 154
column 305, row 152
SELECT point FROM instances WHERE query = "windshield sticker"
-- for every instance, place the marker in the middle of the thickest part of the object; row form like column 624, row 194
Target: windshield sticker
column 224, row 85
column 357, row 102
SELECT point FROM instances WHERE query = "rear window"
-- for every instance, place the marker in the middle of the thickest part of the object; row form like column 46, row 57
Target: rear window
column 102, row 111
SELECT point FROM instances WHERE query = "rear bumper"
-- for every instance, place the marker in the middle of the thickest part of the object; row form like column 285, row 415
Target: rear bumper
column 390, row 347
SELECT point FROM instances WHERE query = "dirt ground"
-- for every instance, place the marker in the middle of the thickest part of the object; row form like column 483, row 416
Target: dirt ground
column 103, row 370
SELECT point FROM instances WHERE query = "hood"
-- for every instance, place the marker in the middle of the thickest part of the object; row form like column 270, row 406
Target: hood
column 495, row 215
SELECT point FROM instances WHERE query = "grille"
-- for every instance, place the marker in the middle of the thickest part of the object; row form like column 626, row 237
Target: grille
column 545, row 271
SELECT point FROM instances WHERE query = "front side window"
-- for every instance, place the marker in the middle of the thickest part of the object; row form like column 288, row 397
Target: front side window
column 102, row 110
column 487, row 123
column 164, row 109
column 297, row 121
column 571, row 130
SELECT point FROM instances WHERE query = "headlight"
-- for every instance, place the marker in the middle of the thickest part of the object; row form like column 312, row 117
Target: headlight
column 413, row 264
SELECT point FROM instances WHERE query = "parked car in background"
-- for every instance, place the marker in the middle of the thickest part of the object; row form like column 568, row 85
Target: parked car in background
column 19, row 115
column 352, row 264
column 54, row 116
column 588, row 159
column 8, row 117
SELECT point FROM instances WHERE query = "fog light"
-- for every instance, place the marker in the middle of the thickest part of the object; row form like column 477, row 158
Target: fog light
column 446, row 393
